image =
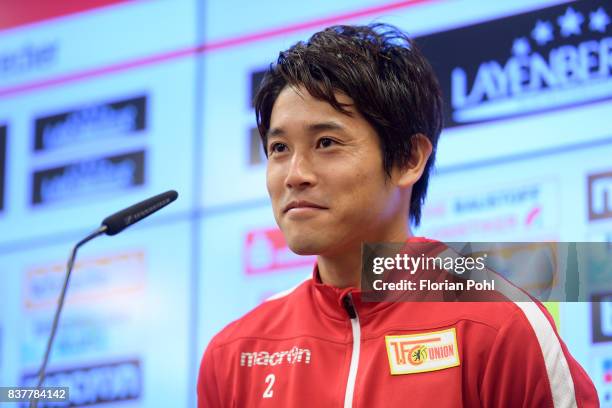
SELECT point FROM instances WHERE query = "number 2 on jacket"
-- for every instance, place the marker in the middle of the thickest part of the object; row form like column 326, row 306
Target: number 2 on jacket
column 270, row 381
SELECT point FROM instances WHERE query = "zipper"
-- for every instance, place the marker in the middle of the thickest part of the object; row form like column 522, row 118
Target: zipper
column 347, row 302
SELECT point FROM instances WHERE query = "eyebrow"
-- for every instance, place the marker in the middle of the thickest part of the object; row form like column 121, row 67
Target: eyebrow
column 312, row 128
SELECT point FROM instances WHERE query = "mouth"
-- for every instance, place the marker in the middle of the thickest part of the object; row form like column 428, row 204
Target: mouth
column 302, row 204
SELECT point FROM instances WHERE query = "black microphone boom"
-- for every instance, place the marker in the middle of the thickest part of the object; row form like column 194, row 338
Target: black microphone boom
column 124, row 218
column 111, row 226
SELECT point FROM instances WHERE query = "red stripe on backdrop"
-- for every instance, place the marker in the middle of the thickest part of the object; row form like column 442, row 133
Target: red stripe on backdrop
column 322, row 22
column 206, row 47
column 15, row 13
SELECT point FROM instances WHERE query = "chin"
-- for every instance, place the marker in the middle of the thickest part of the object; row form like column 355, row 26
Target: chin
column 305, row 246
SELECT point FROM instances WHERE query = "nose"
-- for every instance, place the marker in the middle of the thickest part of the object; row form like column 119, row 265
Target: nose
column 300, row 174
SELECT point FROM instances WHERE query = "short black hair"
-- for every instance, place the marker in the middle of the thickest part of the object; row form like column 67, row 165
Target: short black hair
column 389, row 80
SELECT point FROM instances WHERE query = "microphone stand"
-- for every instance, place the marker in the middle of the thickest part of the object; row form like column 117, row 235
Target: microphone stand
column 111, row 225
column 41, row 374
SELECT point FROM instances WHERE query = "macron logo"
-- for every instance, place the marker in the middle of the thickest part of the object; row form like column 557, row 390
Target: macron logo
column 263, row 358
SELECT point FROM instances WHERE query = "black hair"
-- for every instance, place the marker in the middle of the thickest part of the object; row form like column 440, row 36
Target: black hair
column 389, row 80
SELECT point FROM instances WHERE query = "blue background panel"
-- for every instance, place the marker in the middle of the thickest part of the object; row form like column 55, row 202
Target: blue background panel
column 140, row 97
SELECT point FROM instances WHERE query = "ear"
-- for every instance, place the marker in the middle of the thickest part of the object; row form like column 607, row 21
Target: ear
column 419, row 154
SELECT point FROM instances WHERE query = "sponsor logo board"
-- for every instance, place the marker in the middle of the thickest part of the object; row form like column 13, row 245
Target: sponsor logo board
column 601, row 317
column 95, row 122
column 601, row 375
column 94, row 279
column 3, row 135
column 105, row 299
column 600, row 196
column 108, row 382
column 30, row 56
column 522, row 209
column 256, row 78
column 109, row 174
column 256, row 151
column 546, row 59
column 265, row 251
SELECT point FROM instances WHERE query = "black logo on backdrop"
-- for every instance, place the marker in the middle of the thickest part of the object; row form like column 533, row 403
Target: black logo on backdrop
column 92, row 385
column 551, row 58
column 600, row 196
column 256, row 78
column 88, row 177
column 256, row 151
column 3, row 131
column 92, row 122
column 601, row 315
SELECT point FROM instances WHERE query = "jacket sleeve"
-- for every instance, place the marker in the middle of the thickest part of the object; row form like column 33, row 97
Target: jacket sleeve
column 530, row 366
column 208, row 389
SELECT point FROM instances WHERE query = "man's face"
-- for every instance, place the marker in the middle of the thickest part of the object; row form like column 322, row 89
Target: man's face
column 325, row 177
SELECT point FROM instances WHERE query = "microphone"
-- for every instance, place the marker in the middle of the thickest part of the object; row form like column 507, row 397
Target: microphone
column 111, row 225
column 121, row 220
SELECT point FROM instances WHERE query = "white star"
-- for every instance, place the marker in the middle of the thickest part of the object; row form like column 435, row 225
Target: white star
column 542, row 32
column 599, row 20
column 520, row 46
column 570, row 22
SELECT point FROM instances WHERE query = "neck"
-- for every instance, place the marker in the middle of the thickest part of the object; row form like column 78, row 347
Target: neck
column 343, row 268
column 342, row 271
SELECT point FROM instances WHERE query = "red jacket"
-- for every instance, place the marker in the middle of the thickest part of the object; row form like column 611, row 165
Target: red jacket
column 319, row 346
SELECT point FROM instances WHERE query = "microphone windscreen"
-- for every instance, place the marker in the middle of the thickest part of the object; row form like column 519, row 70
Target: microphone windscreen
column 120, row 220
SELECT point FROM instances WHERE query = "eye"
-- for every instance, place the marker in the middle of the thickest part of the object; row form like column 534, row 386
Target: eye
column 277, row 148
column 325, row 142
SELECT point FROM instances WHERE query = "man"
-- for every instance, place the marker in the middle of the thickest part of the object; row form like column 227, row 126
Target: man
column 350, row 121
